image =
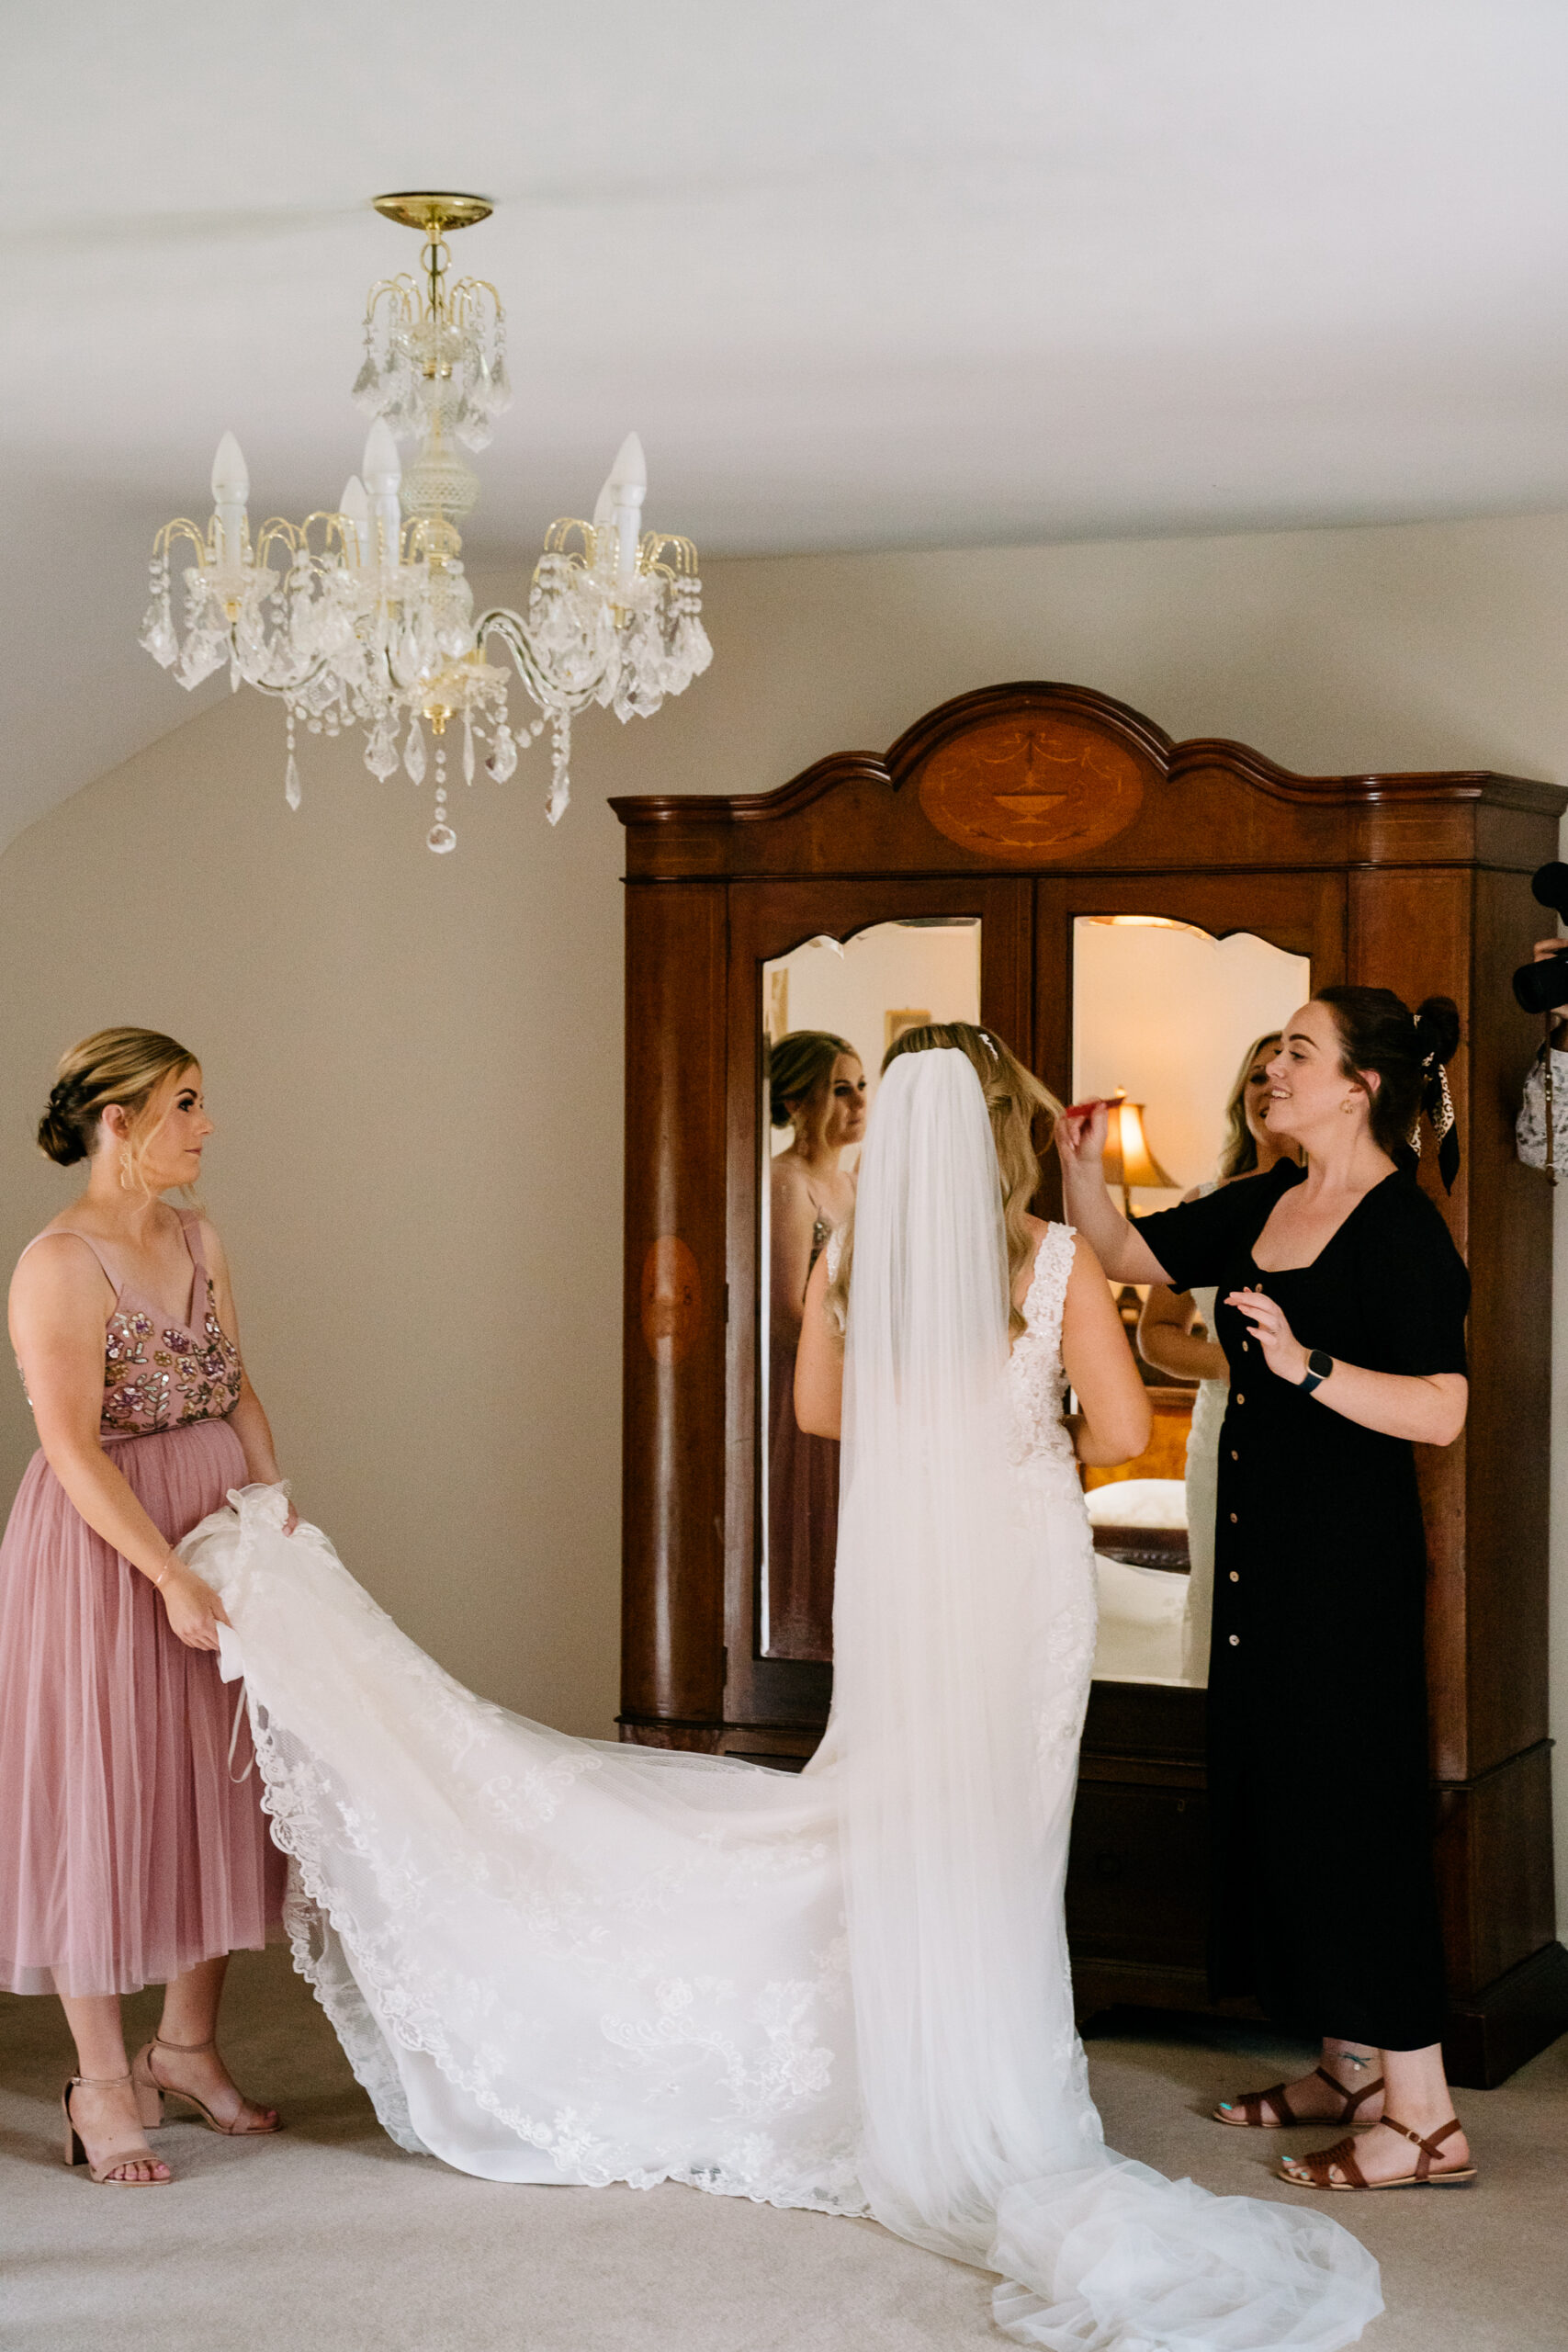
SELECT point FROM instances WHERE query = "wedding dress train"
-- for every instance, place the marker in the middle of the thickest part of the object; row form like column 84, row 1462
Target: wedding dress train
column 560, row 1959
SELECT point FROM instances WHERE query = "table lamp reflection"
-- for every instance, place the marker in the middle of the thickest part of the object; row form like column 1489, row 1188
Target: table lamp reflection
column 1128, row 1158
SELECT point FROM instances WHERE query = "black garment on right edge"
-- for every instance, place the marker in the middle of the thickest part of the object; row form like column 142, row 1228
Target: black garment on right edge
column 1324, row 1901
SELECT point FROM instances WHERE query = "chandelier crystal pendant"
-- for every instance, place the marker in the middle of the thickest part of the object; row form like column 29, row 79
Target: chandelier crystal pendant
column 361, row 615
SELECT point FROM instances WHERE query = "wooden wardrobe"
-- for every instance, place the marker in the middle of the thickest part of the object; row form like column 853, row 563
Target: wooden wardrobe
column 1027, row 806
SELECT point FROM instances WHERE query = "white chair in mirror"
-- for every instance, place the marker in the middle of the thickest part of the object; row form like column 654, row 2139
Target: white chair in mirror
column 1140, row 1537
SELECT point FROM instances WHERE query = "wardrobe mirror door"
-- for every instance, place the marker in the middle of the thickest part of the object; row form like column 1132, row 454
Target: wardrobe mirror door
column 1170, row 1022
column 830, row 1010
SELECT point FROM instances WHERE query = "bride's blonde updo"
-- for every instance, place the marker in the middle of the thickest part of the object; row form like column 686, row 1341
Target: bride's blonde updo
column 131, row 1066
column 1014, row 1100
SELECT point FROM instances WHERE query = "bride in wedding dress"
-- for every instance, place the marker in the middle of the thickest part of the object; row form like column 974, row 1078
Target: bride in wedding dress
column 554, row 1959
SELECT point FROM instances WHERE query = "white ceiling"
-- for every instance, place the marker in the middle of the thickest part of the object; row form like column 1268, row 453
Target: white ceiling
column 863, row 272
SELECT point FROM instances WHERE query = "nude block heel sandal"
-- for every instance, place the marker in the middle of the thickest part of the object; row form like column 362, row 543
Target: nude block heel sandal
column 75, row 2151
column 153, row 2097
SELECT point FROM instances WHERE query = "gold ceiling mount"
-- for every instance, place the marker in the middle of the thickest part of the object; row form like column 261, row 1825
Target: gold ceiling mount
column 433, row 213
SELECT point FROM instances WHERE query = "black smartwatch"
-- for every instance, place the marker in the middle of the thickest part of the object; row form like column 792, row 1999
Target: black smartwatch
column 1320, row 1363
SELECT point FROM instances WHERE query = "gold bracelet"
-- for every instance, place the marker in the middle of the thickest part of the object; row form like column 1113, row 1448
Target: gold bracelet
column 158, row 1579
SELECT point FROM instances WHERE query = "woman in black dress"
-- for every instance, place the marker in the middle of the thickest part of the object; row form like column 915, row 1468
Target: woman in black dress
column 1341, row 1311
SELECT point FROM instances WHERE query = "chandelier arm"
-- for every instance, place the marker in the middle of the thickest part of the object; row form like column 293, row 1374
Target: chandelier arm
column 293, row 687
column 475, row 285
column 512, row 631
column 650, row 552
column 181, row 529
column 338, row 528
column 278, row 526
column 400, row 289
column 557, row 540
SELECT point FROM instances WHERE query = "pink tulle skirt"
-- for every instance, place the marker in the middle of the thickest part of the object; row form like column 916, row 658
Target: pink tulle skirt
column 803, row 1524
column 127, row 1851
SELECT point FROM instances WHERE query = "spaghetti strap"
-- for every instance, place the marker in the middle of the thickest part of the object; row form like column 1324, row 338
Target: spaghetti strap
column 51, row 1232
column 190, row 1226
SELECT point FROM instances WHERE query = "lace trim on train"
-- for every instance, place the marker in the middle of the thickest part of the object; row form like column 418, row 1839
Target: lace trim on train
column 379, row 2000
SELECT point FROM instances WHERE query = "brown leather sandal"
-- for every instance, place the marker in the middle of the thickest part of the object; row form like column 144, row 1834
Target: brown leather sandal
column 1342, row 2158
column 1249, row 2115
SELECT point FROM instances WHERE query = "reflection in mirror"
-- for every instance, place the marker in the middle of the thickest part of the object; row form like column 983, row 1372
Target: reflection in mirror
column 830, row 1010
column 1180, row 1024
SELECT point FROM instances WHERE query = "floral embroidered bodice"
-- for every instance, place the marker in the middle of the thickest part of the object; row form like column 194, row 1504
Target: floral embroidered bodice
column 1037, row 1380
column 158, row 1376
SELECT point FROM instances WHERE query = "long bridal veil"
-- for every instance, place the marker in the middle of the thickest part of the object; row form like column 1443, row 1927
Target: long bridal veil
column 556, row 1960
column 959, row 1697
column 954, row 1823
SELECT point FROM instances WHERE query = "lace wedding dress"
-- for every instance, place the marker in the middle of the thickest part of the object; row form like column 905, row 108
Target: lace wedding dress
column 555, row 1960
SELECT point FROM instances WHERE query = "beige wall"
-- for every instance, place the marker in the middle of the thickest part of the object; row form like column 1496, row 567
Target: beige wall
column 416, row 1063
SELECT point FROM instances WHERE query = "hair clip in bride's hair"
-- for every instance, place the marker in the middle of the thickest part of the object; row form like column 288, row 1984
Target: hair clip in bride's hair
column 990, row 1045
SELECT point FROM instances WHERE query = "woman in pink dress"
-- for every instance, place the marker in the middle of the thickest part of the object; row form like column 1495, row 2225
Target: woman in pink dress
column 133, row 1849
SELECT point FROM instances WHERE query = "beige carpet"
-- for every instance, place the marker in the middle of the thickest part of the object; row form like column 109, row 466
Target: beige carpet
column 330, row 2237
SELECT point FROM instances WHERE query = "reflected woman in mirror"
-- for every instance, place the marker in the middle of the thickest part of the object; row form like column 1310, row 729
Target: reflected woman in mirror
column 1167, row 1339
column 1341, row 1312
column 817, row 1086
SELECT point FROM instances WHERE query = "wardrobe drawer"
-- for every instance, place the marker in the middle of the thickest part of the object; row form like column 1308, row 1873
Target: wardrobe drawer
column 1138, row 1874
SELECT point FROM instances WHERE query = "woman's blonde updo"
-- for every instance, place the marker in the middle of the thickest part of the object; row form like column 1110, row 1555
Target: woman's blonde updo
column 1014, row 1100
column 130, row 1066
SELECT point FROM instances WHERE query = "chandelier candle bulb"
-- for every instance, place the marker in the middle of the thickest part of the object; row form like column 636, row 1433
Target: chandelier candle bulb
column 629, row 488
column 230, row 475
column 230, row 491
column 381, row 470
column 628, row 475
column 355, row 508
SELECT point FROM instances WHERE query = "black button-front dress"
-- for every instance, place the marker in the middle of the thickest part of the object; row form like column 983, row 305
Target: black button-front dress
column 1324, row 1901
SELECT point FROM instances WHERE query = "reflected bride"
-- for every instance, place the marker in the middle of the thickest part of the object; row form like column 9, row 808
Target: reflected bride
column 553, row 1960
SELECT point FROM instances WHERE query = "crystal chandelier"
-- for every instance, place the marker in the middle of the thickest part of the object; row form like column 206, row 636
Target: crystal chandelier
column 363, row 615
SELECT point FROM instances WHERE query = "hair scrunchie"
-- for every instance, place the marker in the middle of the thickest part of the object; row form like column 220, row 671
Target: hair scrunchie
column 1436, row 1102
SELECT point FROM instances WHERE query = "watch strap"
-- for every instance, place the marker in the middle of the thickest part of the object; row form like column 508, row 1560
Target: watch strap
column 1320, row 1363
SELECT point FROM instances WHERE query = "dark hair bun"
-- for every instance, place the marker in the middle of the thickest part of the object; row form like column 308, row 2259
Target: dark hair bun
column 60, row 1139
column 1379, row 1032
column 1438, row 1027
column 61, row 1135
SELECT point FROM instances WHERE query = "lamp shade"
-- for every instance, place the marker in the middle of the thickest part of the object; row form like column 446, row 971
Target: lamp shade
column 1128, row 1159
